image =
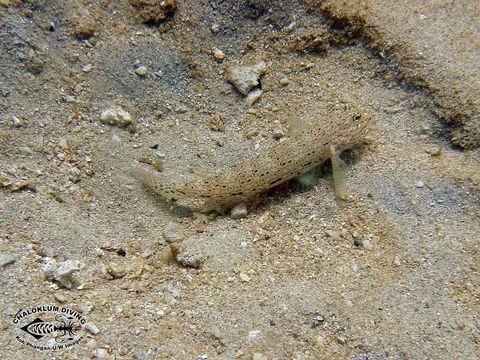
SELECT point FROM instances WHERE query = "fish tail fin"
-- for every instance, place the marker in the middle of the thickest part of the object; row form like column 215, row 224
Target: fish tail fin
column 157, row 183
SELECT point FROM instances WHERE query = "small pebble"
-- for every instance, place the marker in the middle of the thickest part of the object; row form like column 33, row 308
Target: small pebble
column 87, row 68
column 355, row 268
column 218, row 54
column 341, row 339
column 239, row 211
column 172, row 232
column 245, row 78
column 181, row 109
column 244, row 277
column 69, row 99
column 5, row 181
column 291, row 26
column 16, row 122
column 117, row 270
column 141, row 70
column 92, row 328
column 60, row 298
column 254, row 335
column 190, row 261
column 434, row 150
column 284, row 81
column 24, row 185
column 116, row 116
column 397, row 261
column 425, row 128
column 420, row 184
column 349, row 303
column 65, row 272
column 215, row 28
column 99, row 353
column 60, row 272
column 99, row 252
column 92, row 344
column 253, row 96
column 357, row 242
column 6, row 259
column 367, row 244
column 317, row 320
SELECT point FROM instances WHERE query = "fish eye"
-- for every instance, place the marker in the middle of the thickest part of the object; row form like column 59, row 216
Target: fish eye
column 356, row 117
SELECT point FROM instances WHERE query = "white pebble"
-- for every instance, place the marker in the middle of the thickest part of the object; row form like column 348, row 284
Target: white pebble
column 397, row 261
column 16, row 121
column 218, row 54
column 215, row 28
column 92, row 328
column 367, row 244
column 116, row 116
column 141, row 71
column 420, row 183
column 253, row 335
column 239, row 211
column 284, row 81
column 87, row 68
column 253, row 96
column 100, row 353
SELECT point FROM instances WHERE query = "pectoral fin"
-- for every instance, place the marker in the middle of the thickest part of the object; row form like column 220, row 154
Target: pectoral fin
column 339, row 173
column 310, row 178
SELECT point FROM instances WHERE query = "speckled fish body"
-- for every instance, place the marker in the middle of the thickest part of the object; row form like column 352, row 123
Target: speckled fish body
column 244, row 181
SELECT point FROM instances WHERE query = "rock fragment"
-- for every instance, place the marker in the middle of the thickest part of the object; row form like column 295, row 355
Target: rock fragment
column 254, row 335
column 239, row 211
column 434, row 150
column 186, row 259
column 62, row 272
column 154, row 12
column 218, row 54
column 190, row 261
column 367, row 244
column 86, row 27
column 6, row 259
column 284, row 81
column 100, row 353
column 24, row 185
column 16, row 122
column 92, row 328
column 216, row 123
column 60, row 298
column 116, row 116
column 245, row 78
column 141, row 70
column 172, row 232
column 397, row 260
column 5, row 181
column 117, row 270
column 253, row 96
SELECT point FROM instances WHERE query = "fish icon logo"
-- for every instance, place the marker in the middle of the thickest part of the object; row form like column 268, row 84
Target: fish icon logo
column 65, row 328
column 47, row 328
